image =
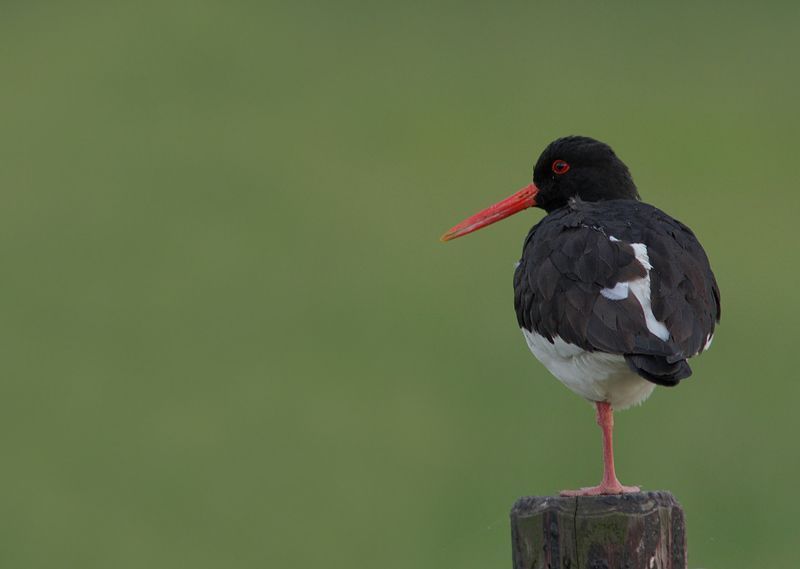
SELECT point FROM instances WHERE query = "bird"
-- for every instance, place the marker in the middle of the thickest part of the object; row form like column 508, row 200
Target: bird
column 613, row 295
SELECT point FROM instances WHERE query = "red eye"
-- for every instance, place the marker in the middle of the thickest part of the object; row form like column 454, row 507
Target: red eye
column 560, row 167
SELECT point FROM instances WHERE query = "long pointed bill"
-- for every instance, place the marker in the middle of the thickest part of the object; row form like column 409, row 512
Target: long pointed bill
column 523, row 199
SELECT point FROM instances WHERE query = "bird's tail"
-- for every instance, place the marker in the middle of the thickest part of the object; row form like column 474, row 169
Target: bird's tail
column 659, row 369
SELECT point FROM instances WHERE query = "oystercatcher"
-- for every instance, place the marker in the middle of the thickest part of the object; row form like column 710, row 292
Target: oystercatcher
column 612, row 294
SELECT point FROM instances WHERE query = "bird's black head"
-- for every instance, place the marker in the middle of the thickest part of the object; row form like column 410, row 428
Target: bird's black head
column 570, row 167
column 580, row 167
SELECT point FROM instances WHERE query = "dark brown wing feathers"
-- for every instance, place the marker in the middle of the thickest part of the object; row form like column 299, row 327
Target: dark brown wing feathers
column 570, row 256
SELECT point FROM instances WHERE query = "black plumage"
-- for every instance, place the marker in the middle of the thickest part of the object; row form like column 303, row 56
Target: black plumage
column 584, row 247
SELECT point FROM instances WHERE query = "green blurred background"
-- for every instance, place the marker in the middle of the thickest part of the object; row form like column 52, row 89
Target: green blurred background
column 231, row 337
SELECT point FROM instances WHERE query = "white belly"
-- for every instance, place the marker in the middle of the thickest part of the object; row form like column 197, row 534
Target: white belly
column 595, row 376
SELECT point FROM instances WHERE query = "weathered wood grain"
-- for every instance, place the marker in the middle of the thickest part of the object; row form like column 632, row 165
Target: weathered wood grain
column 645, row 530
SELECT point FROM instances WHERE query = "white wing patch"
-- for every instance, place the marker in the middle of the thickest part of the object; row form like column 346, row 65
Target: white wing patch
column 640, row 288
column 619, row 292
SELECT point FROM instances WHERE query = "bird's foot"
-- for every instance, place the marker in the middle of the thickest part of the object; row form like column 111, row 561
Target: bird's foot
column 603, row 489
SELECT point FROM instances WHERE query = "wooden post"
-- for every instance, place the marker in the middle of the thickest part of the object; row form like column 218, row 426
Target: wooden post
column 645, row 530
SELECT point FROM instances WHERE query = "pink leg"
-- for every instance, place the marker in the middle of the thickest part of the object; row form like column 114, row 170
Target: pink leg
column 610, row 484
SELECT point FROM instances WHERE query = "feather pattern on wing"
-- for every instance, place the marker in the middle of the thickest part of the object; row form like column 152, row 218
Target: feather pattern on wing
column 578, row 265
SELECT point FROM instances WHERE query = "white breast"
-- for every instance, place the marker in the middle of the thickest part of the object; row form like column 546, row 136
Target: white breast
column 596, row 376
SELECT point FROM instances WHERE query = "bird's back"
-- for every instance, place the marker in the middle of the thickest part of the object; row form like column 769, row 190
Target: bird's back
column 619, row 277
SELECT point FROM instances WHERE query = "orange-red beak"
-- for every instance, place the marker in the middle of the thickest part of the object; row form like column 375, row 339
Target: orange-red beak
column 523, row 199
